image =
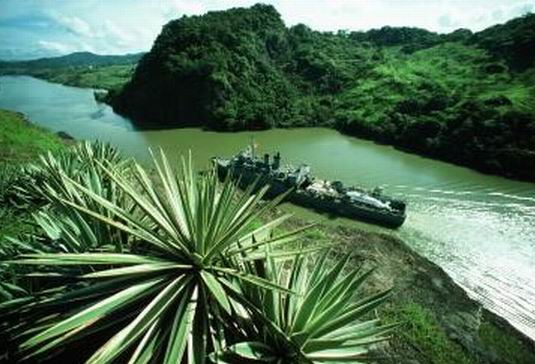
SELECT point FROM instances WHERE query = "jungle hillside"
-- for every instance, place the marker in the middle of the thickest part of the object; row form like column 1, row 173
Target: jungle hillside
column 463, row 97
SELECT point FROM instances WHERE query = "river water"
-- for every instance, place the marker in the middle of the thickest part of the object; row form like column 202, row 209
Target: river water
column 480, row 229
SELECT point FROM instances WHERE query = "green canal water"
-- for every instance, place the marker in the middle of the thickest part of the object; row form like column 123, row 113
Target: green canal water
column 480, row 229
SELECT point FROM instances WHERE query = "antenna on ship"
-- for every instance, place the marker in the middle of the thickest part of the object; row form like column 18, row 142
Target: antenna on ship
column 253, row 147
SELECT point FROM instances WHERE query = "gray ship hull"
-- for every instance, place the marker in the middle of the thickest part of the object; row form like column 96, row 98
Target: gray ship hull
column 323, row 204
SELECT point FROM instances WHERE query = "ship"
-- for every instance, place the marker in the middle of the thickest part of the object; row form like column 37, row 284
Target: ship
column 303, row 189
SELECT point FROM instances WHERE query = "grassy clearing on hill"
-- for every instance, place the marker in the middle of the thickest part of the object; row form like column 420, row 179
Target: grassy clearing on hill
column 81, row 69
column 22, row 141
column 101, row 77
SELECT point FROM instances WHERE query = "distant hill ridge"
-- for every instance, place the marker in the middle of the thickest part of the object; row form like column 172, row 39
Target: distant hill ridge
column 81, row 69
column 75, row 60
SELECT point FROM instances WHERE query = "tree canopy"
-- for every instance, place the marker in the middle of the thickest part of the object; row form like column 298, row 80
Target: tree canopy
column 464, row 97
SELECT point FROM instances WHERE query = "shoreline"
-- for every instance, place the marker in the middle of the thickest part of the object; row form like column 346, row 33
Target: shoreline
column 423, row 292
column 380, row 140
column 456, row 162
column 441, row 324
column 377, row 139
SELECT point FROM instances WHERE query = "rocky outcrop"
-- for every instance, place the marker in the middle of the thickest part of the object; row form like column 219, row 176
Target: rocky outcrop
column 65, row 136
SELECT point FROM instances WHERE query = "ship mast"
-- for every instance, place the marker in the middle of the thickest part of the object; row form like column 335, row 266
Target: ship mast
column 253, row 148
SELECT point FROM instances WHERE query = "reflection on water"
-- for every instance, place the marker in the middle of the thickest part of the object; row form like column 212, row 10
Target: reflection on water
column 485, row 241
column 480, row 229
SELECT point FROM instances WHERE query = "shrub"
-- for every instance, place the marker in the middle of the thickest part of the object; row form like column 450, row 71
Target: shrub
column 183, row 281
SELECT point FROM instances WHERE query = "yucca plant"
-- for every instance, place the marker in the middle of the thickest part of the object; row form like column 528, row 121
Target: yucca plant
column 325, row 321
column 8, row 176
column 173, row 291
column 12, row 176
column 39, row 186
column 194, row 272
column 9, row 290
column 48, row 185
column 80, row 163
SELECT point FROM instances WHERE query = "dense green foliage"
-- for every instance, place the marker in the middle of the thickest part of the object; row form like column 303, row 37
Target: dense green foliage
column 20, row 143
column 513, row 41
column 214, row 70
column 82, row 69
column 467, row 98
column 123, row 267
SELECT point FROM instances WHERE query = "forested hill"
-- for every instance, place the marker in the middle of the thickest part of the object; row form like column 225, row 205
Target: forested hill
column 463, row 97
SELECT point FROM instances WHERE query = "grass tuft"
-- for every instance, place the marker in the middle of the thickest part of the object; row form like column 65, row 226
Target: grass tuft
column 421, row 330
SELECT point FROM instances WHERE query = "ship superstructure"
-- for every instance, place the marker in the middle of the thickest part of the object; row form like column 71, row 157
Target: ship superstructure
column 324, row 196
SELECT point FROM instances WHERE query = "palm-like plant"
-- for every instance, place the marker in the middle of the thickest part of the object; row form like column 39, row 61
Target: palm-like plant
column 323, row 322
column 43, row 185
column 177, row 282
column 49, row 183
column 33, row 182
column 8, row 178
column 170, row 268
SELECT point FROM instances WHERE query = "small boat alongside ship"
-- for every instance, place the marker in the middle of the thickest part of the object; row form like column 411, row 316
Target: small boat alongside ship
column 308, row 191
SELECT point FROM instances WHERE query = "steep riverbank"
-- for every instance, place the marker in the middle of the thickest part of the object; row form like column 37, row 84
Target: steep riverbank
column 478, row 228
column 440, row 324
column 21, row 140
column 524, row 161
